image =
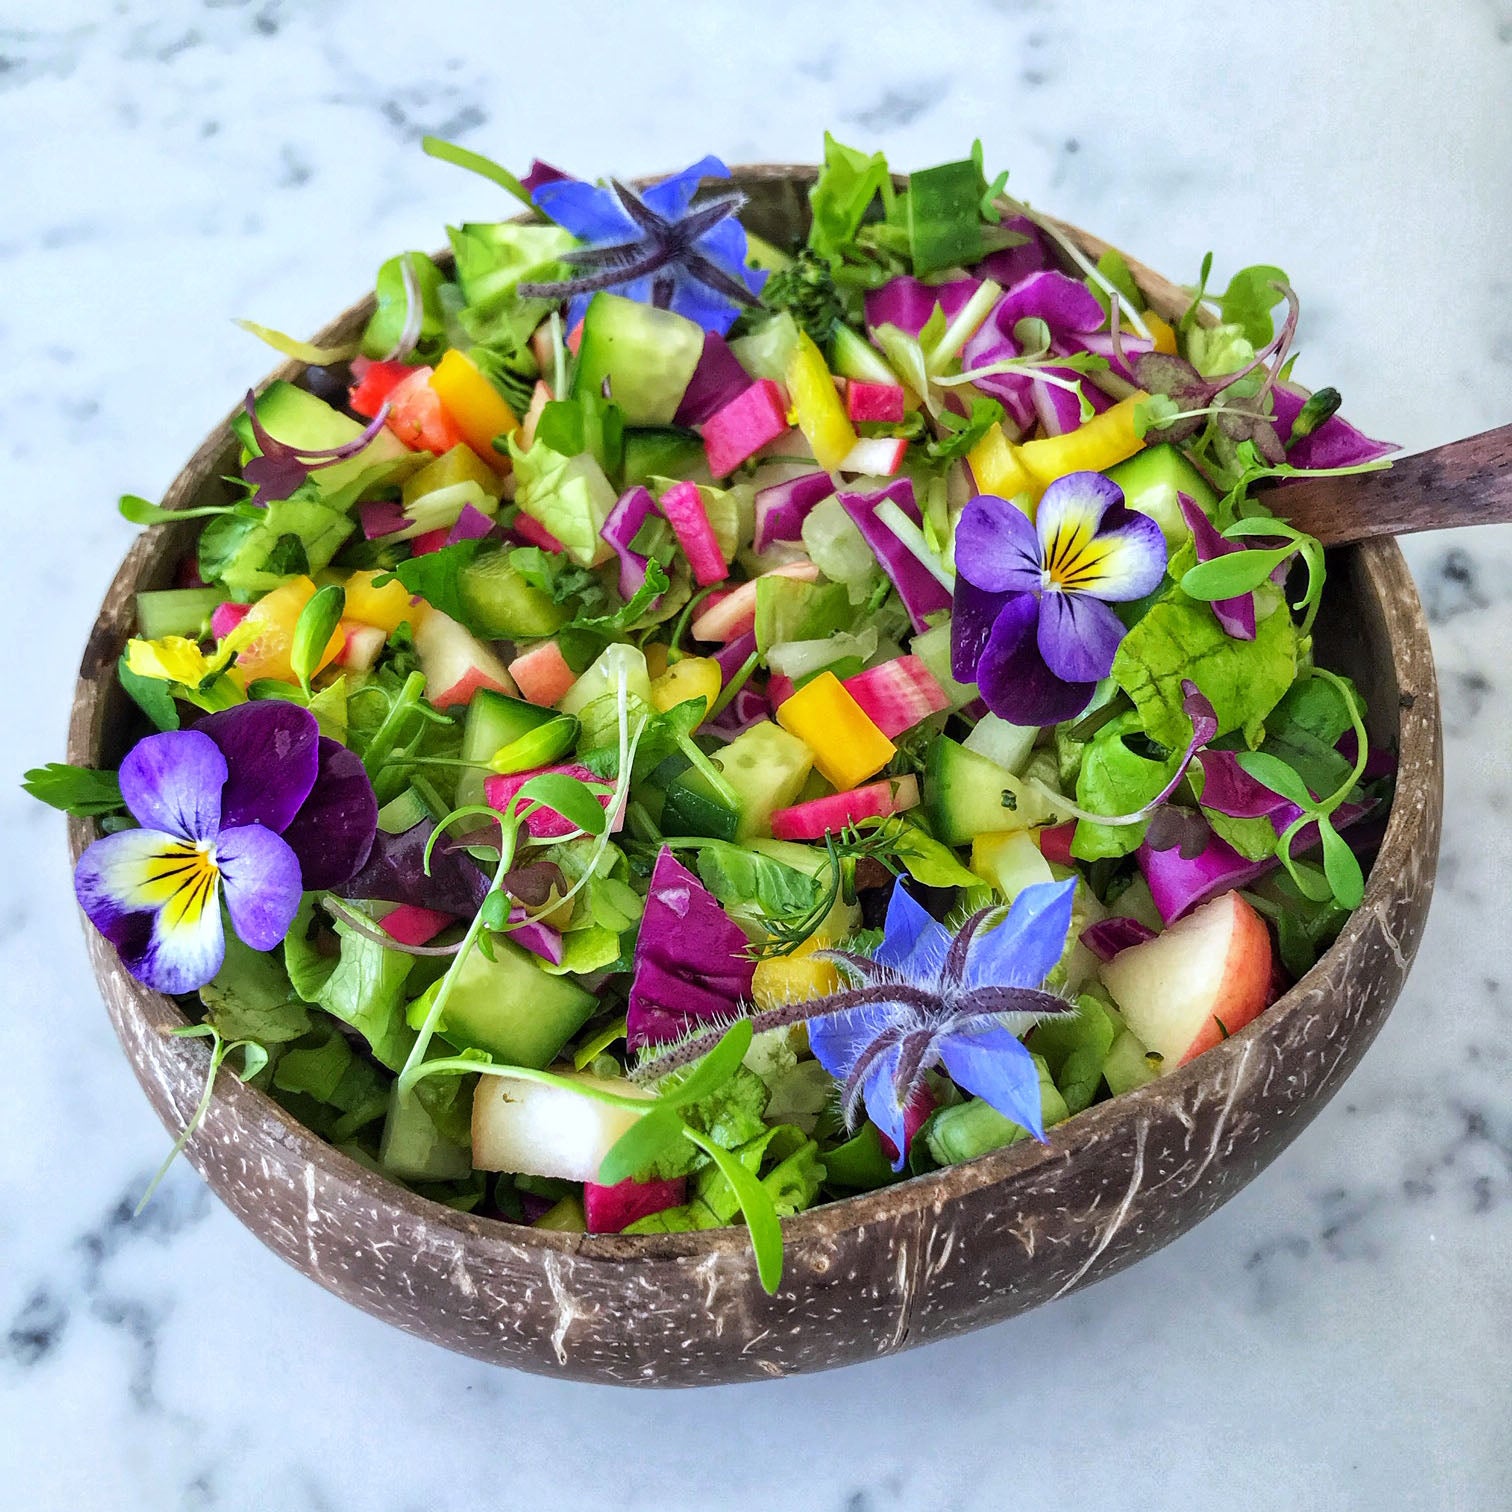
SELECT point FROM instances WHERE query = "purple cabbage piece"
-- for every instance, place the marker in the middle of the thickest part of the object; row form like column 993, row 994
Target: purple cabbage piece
column 716, row 380
column 395, row 873
column 782, row 508
column 690, row 958
column 1012, row 265
column 538, row 938
column 381, row 517
column 922, row 593
column 1108, row 936
column 1335, row 443
column 1237, row 614
column 471, row 525
column 747, row 708
column 630, row 512
column 734, row 654
column 1228, row 789
column 907, row 303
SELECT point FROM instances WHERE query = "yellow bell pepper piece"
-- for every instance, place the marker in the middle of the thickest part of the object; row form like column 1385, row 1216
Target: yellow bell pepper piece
column 996, row 467
column 816, row 405
column 1104, row 440
column 387, row 607
column 1165, row 337
column 273, row 618
column 848, row 748
column 1010, row 861
column 475, row 404
column 795, row 978
column 459, row 465
column 692, row 677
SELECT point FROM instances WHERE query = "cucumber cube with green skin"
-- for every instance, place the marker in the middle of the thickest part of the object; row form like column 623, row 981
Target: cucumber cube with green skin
column 1151, row 480
column 494, row 720
column 501, row 605
column 690, row 806
column 176, row 611
column 646, row 355
column 508, row 1006
column 413, row 1149
column 1128, row 1065
column 966, row 795
column 767, row 767
column 664, row 453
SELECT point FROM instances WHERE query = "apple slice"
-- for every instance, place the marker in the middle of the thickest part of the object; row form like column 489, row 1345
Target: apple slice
column 734, row 614
column 1206, row 976
column 363, row 645
column 456, row 663
column 532, row 1129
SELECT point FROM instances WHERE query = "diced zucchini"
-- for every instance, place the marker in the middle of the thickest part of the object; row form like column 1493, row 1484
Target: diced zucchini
column 647, row 356
column 176, row 611
column 1151, row 480
column 501, row 605
column 664, row 453
column 767, row 767
column 493, row 721
column 966, row 795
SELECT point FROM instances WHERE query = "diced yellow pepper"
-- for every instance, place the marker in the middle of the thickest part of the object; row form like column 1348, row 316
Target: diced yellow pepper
column 795, row 978
column 1010, row 861
column 1104, row 440
column 1165, row 337
column 848, row 748
column 459, row 465
column 475, row 404
column 996, row 467
column 817, row 407
column 274, row 617
column 387, row 607
column 692, row 677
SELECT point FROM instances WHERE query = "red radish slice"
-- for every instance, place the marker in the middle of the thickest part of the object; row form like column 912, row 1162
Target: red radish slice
column 612, row 1209
column 897, row 695
column 535, row 532
column 456, row 663
column 876, row 800
column 545, row 823
column 542, row 674
column 735, row 612
column 747, row 423
column 411, row 924
column 876, row 456
column 226, row 617
column 879, row 402
column 689, row 520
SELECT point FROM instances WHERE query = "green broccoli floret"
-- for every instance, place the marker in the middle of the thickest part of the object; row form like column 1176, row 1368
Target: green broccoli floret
column 806, row 290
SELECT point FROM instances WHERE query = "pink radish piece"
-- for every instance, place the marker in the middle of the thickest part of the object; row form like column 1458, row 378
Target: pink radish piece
column 612, row 1209
column 226, row 617
column 536, row 533
column 363, row 645
column 430, row 540
column 780, row 689
column 897, row 695
column 747, row 423
column 689, row 520
column 1055, row 844
column 456, row 663
column 544, row 823
column 881, row 402
column 411, row 924
column 542, row 674
column 735, row 613
column 877, row 800
column 876, row 456
column 782, row 508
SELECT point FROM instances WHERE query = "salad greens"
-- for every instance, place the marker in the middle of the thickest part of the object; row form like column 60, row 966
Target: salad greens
column 674, row 728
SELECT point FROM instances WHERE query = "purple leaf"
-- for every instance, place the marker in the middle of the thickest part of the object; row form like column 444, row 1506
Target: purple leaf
column 395, row 873
column 1108, row 936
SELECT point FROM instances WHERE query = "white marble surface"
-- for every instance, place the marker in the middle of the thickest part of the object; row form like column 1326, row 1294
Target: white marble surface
column 1339, row 1336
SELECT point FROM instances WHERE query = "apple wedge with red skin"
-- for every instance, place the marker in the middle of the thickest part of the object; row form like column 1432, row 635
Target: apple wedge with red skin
column 456, row 663
column 1204, row 977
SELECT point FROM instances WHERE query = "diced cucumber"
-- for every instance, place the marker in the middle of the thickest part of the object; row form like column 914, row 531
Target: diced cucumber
column 647, row 356
column 1009, row 745
column 1129, row 1064
column 766, row 352
column 176, row 611
column 1151, row 480
column 664, row 453
column 971, row 1128
column 932, row 647
column 501, row 605
column 405, row 811
column 493, row 720
column 690, row 806
column 510, row 1007
column 601, row 680
column 767, row 767
column 853, row 356
column 295, row 416
column 414, row 1149
column 966, row 795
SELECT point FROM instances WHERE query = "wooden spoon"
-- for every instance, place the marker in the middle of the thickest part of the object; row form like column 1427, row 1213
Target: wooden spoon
column 1467, row 482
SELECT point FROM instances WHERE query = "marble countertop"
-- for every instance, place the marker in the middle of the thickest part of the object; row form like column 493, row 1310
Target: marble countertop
column 1339, row 1335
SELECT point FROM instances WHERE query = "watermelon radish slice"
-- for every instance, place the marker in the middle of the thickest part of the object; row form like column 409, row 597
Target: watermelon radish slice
column 544, row 823
column 535, row 533
column 782, row 508
column 689, row 520
column 876, row 800
column 542, row 674
column 897, row 695
column 875, row 402
column 410, row 924
column 876, row 456
column 226, row 617
column 430, row 540
column 734, row 614
column 747, row 423
column 780, row 689
column 612, row 1209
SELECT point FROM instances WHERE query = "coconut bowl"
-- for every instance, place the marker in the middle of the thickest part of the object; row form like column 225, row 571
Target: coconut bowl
column 927, row 1258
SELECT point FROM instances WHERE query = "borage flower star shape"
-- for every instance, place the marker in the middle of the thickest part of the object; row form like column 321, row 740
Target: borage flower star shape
column 928, row 998
column 252, row 805
column 1031, row 624
column 653, row 247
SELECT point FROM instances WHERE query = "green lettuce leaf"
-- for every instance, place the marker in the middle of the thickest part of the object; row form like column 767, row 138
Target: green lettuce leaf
column 391, row 314
column 435, row 577
column 294, row 536
column 1115, row 778
column 745, row 880
column 251, row 998
column 847, row 184
column 570, row 496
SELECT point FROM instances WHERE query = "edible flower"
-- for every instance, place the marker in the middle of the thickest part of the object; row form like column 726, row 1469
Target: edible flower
column 653, row 247
column 928, row 998
column 1031, row 626
column 181, row 661
column 252, row 803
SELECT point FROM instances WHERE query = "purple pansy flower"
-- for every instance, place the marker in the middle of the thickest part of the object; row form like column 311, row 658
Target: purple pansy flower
column 651, row 246
column 1031, row 625
column 929, row 998
column 253, row 803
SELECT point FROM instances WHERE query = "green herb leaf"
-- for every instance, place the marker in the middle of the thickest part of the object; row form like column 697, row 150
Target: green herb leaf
column 1189, row 317
column 716, row 1068
column 140, row 511
column 641, row 1145
column 313, row 630
column 1249, row 300
column 1229, row 576
column 1340, row 866
column 1278, row 777
column 151, row 695
column 757, row 1206
column 80, row 791
column 568, row 796
column 963, row 432
column 475, row 162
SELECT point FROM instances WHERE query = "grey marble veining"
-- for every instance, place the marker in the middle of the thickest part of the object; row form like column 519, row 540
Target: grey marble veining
column 1338, row 1337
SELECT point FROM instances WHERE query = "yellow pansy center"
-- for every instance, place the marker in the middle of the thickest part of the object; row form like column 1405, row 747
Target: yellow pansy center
column 183, row 880
column 1074, row 558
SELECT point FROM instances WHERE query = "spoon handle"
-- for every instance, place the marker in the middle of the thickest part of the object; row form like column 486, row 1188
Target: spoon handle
column 1468, row 482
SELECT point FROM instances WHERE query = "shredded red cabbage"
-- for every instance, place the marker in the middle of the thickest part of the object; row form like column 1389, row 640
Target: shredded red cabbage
column 782, row 508
column 1108, row 936
column 630, row 512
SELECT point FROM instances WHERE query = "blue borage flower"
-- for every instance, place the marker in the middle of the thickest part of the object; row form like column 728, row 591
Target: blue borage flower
column 652, row 246
column 1031, row 624
column 928, row 998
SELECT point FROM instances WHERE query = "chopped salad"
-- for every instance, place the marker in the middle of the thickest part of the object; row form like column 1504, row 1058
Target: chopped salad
column 667, row 729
